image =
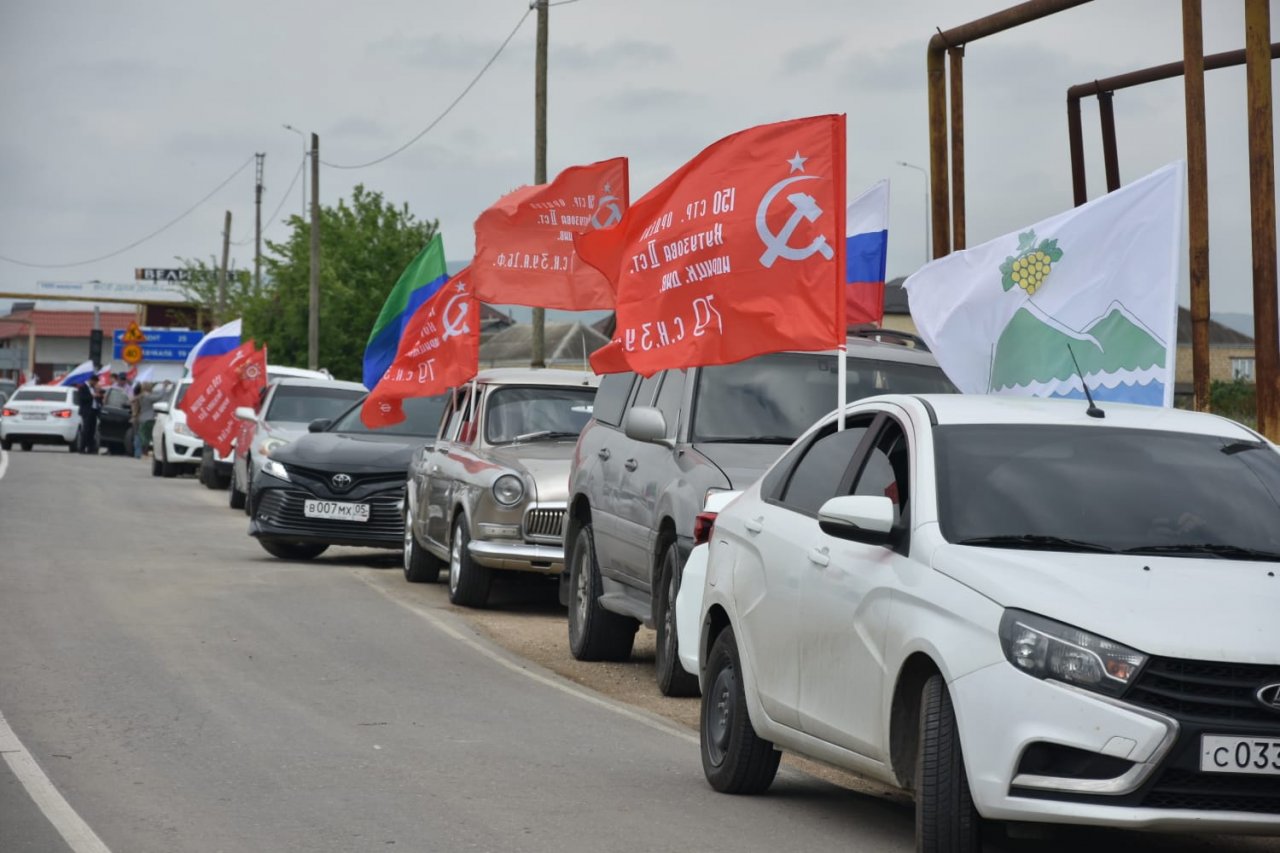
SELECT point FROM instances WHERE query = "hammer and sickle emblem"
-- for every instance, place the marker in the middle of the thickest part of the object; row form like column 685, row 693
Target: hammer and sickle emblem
column 455, row 322
column 612, row 210
column 804, row 207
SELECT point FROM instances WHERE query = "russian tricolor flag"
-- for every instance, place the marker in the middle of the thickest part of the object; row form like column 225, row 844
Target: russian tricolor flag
column 80, row 375
column 220, row 341
column 866, row 254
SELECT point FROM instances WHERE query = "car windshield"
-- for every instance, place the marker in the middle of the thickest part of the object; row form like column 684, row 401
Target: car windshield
column 525, row 413
column 776, row 397
column 33, row 395
column 421, row 418
column 305, row 403
column 1092, row 488
column 182, row 392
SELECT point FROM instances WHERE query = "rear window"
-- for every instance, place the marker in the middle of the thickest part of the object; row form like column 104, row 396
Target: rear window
column 305, row 403
column 41, row 395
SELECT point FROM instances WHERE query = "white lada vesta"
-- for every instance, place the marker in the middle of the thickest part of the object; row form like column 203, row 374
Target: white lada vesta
column 1016, row 610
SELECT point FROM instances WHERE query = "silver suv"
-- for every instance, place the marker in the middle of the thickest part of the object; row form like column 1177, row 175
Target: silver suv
column 656, row 447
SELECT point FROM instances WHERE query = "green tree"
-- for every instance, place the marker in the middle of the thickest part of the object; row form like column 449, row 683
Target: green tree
column 365, row 244
column 202, row 290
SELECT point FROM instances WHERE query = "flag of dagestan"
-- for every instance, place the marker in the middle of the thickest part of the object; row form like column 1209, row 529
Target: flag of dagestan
column 524, row 241
column 421, row 280
column 739, row 252
column 230, row 380
column 440, row 350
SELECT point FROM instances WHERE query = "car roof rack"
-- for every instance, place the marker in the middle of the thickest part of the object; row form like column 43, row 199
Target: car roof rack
column 889, row 336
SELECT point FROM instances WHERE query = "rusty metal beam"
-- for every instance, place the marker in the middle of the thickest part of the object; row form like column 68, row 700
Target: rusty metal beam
column 1262, row 210
column 1111, row 159
column 1197, row 199
column 959, row 36
column 956, row 57
column 1075, row 136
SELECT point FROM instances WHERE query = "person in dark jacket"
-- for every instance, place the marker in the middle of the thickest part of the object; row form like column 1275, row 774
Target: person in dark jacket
column 89, row 401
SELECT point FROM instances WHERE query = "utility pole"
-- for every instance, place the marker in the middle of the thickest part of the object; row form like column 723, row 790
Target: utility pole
column 1262, row 213
column 222, row 270
column 539, row 344
column 313, row 317
column 257, row 226
column 1197, row 197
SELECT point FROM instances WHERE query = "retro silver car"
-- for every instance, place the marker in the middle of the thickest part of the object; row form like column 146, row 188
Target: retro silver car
column 490, row 493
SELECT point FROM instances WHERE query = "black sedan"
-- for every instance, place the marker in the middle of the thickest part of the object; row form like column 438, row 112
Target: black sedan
column 114, row 429
column 341, row 484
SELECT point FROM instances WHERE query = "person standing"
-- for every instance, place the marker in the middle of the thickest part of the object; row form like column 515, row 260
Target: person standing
column 135, row 420
column 151, row 394
column 89, row 401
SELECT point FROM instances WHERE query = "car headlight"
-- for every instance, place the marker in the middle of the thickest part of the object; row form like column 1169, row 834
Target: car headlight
column 508, row 490
column 182, row 429
column 275, row 469
column 269, row 445
column 1047, row 649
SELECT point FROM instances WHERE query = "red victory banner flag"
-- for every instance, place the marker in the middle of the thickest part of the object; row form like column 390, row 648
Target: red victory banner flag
column 231, row 380
column 524, row 242
column 740, row 252
column 439, row 350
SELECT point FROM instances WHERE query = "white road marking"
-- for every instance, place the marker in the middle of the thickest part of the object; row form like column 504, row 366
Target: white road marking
column 79, row 837
column 553, row 682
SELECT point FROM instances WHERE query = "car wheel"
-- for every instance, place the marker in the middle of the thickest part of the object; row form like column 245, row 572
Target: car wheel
column 167, row 468
column 73, row 445
column 235, row 497
column 946, row 819
column 293, row 550
column 420, row 565
column 672, row 678
column 734, row 758
column 468, row 582
column 6, row 444
column 155, row 467
column 26, row 445
column 594, row 633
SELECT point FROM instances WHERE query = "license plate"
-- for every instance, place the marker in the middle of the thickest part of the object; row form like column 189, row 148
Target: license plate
column 336, row 510
column 1235, row 754
column 33, row 416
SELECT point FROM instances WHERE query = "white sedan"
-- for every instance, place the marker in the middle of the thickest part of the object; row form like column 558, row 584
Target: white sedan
column 40, row 414
column 1016, row 610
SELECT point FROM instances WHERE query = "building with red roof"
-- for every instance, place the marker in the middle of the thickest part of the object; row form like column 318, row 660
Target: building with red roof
column 61, row 338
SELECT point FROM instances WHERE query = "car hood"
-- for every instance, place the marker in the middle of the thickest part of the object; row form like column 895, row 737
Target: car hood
column 547, row 462
column 1143, row 602
column 354, row 453
column 284, row 430
column 742, row 464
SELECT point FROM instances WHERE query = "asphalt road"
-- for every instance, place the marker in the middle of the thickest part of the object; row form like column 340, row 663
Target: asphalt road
column 184, row 691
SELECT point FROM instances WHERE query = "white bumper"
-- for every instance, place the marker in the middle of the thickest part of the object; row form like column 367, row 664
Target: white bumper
column 48, row 427
column 689, row 608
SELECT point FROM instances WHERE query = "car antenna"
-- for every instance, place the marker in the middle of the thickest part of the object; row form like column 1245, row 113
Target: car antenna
column 1093, row 411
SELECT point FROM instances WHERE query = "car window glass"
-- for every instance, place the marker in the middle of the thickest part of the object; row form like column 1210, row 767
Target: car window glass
column 116, row 398
column 648, row 388
column 885, row 473
column 669, row 398
column 457, row 413
column 519, row 412
column 306, row 403
column 611, row 398
column 421, row 417
column 817, row 475
column 32, row 396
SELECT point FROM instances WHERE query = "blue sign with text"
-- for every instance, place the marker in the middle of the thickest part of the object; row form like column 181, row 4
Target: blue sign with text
column 161, row 344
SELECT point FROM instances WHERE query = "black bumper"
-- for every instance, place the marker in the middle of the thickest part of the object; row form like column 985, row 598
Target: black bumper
column 278, row 514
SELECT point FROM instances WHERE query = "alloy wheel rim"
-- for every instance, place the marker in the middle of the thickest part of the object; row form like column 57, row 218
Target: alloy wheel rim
column 669, row 617
column 583, row 587
column 408, row 541
column 455, row 561
column 720, row 714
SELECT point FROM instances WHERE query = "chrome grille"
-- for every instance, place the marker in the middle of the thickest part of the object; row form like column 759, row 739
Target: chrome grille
column 544, row 524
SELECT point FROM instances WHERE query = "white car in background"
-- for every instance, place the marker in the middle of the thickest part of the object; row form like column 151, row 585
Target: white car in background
column 1016, row 608
column 40, row 414
column 175, row 447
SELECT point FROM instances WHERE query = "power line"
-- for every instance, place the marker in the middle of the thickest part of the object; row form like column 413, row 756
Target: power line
column 283, row 198
column 136, row 243
column 447, row 109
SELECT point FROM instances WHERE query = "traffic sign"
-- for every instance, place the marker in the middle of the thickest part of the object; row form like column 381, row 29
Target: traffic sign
column 133, row 334
column 160, row 344
column 131, row 353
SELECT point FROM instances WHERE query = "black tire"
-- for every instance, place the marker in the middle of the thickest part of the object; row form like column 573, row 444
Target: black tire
column 594, row 633
column 293, row 550
column 735, row 759
column 168, row 469
column 155, row 467
column 946, row 820
column 73, row 445
column 469, row 582
column 672, row 678
column 26, row 445
column 6, row 444
column 235, row 497
column 420, row 565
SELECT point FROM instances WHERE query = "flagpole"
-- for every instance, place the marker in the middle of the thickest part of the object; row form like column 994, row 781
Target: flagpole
column 841, row 368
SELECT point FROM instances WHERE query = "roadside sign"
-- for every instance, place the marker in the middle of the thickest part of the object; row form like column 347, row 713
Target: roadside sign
column 131, row 353
column 161, row 274
column 133, row 334
column 159, row 344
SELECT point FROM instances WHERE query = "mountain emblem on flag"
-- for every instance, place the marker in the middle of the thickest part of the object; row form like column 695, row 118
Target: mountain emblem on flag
column 1120, row 358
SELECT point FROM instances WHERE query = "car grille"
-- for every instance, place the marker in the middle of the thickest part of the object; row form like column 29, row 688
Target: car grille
column 283, row 510
column 1207, row 698
column 324, row 479
column 542, row 524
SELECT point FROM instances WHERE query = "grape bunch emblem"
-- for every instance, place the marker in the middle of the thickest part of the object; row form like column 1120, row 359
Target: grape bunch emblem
column 1031, row 265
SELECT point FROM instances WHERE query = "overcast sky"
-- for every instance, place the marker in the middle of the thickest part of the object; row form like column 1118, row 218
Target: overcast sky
column 118, row 116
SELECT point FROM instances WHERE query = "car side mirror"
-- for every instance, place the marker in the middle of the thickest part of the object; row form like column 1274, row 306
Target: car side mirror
column 322, row 424
column 861, row 518
column 160, row 407
column 245, row 413
column 645, row 423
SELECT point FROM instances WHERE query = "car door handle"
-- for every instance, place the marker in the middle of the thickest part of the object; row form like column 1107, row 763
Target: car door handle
column 820, row 556
column 604, row 454
column 754, row 525
column 631, row 464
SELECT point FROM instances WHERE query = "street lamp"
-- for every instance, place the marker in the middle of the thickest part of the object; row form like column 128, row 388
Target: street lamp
column 928, row 253
column 303, row 136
